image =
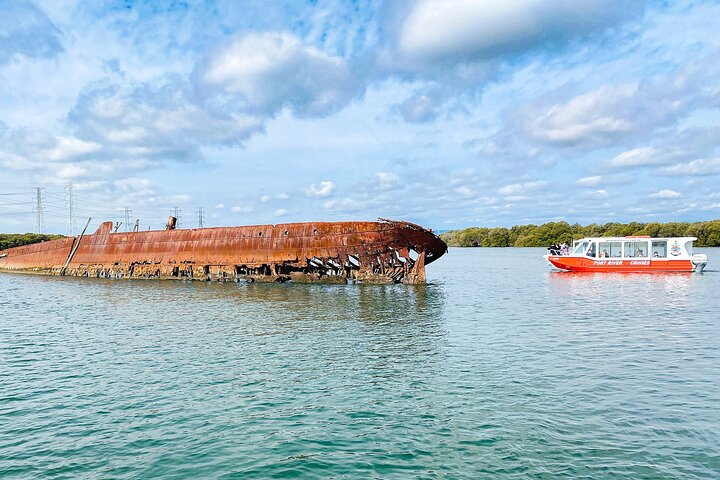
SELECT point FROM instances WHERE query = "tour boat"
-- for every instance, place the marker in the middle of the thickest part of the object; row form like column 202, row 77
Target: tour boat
column 631, row 254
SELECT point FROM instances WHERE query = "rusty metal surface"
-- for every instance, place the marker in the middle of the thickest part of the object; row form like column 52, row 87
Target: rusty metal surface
column 385, row 251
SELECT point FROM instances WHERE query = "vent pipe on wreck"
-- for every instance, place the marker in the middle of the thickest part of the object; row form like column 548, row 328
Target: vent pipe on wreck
column 171, row 222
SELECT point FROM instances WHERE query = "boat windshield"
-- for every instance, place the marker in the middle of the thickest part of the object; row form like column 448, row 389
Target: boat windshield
column 689, row 247
column 580, row 249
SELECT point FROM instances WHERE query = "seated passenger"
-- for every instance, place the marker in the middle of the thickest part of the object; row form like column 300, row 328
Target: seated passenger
column 656, row 255
column 639, row 253
column 604, row 254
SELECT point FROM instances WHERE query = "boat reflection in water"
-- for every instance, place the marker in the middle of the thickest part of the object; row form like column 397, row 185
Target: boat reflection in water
column 633, row 290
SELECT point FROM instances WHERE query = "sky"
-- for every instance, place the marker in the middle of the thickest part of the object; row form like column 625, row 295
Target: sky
column 447, row 114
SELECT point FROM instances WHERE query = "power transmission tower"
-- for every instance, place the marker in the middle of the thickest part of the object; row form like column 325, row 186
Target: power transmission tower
column 40, row 220
column 127, row 219
column 201, row 217
column 70, row 202
column 177, row 213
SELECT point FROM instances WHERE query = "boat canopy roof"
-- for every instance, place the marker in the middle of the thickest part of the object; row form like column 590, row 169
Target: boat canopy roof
column 636, row 238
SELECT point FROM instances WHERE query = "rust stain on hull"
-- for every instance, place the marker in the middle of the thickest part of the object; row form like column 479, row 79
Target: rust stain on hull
column 385, row 251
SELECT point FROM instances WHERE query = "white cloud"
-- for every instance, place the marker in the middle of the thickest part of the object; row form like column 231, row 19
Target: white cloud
column 271, row 71
column 386, row 180
column 346, row 205
column 241, row 209
column 592, row 181
column 518, row 189
column 587, row 117
column 459, row 46
column 70, row 171
column 613, row 112
column 279, row 196
column 178, row 198
column 464, row 191
column 17, row 162
column 324, row 189
column 473, row 29
column 701, row 167
column 71, row 147
column 280, row 212
column 160, row 121
column 600, row 193
column 220, row 205
column 637, row 157
column 133, row 184
column 419, row 108
column 26, row 30
column 666, row 194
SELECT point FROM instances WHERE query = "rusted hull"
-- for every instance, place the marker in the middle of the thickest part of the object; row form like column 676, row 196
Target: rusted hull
column 330, row 252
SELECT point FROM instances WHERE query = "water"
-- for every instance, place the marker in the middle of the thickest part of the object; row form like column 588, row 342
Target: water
column 498, row 369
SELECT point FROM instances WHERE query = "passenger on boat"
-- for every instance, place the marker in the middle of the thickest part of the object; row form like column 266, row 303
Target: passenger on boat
column 656, row 255
column 639, row 253
column 604, row 254
column 591, row 252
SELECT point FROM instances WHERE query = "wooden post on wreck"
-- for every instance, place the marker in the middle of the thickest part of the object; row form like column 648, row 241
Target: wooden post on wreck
column 74, row 249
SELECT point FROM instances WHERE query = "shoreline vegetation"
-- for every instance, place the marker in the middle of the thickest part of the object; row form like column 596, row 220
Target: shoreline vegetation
column 10, row 240
column 707, row 233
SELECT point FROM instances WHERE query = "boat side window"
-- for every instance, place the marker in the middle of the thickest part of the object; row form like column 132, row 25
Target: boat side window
column 659, row 249
column 610, row 249
column 580, row 249
column 636, row 249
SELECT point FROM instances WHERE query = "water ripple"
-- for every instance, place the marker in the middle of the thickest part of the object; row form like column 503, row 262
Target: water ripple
column 500, row 368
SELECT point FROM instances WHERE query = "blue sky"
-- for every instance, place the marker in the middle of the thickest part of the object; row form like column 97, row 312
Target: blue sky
column 448, row 114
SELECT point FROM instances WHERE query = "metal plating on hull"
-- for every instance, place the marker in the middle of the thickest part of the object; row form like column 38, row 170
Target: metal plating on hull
column 385, row 251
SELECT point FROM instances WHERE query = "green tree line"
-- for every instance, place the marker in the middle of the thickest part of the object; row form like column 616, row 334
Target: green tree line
column 707, row 233
column 9, row 240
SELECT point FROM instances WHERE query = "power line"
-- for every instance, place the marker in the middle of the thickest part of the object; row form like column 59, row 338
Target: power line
column 40, row 220
column 201, row 217
column 128, row 212
column 70, row 202
column 177, row 213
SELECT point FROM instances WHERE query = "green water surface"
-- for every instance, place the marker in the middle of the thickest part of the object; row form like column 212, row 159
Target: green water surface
column 500, row 368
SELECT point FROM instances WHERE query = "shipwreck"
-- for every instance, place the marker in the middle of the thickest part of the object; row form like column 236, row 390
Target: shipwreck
column 385, row 251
